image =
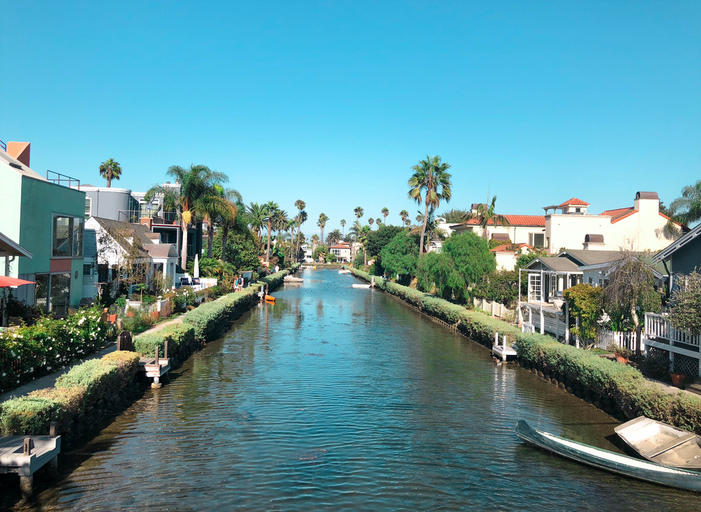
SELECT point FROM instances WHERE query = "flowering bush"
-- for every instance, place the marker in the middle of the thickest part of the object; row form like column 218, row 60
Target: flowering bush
column 50, row 344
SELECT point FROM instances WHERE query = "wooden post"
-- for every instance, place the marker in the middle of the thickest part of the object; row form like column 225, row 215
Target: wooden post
column 26, row 484
column 156, row 379
column 503, row 346
column 567, row 323
column 52, row 429
column 28, row 445
column 496, row 339
column 165, row 349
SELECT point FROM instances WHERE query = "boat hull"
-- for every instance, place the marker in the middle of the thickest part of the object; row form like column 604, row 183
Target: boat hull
column 610, row 461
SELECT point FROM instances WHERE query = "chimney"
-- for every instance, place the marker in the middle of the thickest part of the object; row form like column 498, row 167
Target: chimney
column 648, row 201
column 20, row 151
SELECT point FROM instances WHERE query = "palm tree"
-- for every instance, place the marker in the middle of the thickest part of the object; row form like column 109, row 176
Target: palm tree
column 486, row 215
column 216, row 208
column 170, row 202
column 687, row 208
column 279, row 221
column 300, row 205
column 355, row 230
column 404, row 215
column 385, row 213
column 269, row 210
column 256, row 218
column 235, row 198
column 322, row 223
column 378, row 221
column 363, row 239
column 358, row 212
column 110, row 170
column 431, row 178
column 343, row 226
column 371, row 221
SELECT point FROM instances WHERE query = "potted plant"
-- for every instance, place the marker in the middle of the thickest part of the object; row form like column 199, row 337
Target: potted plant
column 622, row 354
column 678, row 379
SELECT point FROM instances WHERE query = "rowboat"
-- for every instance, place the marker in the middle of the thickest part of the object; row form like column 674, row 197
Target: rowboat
column 662, row 443
column 610, row 461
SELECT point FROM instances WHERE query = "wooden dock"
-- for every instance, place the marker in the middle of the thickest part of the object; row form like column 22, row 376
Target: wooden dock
column 502, row 350
column 25, row 455
column 156, row 367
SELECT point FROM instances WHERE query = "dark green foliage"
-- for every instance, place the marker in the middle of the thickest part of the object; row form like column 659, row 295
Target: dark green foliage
column 471, row 257
column 685, row 312
column 455, row 215
column 500, row 286
column 241, row 249
column 378, row 239
column 436, row 272
column 586, row 303
column 400, row 255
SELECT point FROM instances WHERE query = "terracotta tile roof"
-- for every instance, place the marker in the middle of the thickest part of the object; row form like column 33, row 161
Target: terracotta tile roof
column 340, row 246
column 619, row 213
column 509, row 247
column 573, row 201
column 514, row 220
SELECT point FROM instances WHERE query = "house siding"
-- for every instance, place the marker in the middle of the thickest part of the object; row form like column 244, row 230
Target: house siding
column 687, row 258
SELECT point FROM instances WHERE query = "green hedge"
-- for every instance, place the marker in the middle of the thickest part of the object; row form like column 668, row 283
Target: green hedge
column 619, row 389
column 181, row 342
column 79, row 402
column 211, row 319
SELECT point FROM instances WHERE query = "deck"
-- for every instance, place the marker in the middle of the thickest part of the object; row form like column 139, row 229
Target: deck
column 25, row 455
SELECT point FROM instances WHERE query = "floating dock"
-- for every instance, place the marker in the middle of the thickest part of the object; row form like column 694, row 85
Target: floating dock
column 502, row 350
column 25, row 455
column 156, row 367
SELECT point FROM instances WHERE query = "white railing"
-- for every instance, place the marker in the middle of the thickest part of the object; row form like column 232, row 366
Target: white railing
column 658, row 326
column 623, row 339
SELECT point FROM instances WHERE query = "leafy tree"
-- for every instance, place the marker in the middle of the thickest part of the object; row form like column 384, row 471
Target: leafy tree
column 586, row 303
column 436, row 273
column 110, row 170
column 320, row 253
column 400, row 255
column 377, row 240
column 385, row 213
column 500, row 286
column 455, row 216
column 323, row 218
column 487, row 215
column 687, row 208
column 333, row 237
column 430, row 178
column 685, row 313
column 227, row 223
column 217, row 208
column 241, row 249
column 471, row 257
column 631, row 292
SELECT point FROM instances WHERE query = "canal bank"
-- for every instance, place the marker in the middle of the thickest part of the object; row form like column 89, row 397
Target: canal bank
column 341, row 398
column 618, row 389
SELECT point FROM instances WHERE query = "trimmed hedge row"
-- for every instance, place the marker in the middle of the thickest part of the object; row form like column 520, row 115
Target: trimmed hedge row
column 80, row 400
column 619, row 389
column 181, row 343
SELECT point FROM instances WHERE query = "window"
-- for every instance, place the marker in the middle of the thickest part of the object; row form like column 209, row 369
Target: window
column 68, row 236
column 53, row 292
column 88, row 207
column 537, row 240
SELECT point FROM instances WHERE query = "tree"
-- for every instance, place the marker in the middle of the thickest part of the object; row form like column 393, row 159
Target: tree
column 377, row 240
column 454, row 216
column 435, row 272
column 631, row 292
column 585, row 302
column 430, row 178
column 378, row 221
column 687, row 208
column 322, row 223
column 685, row 313
column 301, row 218
column 279, row 222
column 486, row 215
column 333, row 237
column 269, row 210
column 404, row 215
column 235, row 198
column 371, row 221
column 385, row 213
column 217, row 208
column 355, row 230
column 256, row 219
column 358, row 211
column 110, row 170
column 400, row 255
column 471, row 257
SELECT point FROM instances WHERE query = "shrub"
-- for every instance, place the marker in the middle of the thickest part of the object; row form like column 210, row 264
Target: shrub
column 471, row 257
column 400, row 255
column 500, row 286
column 181, row 342
column 685, row 312
column 586, row 302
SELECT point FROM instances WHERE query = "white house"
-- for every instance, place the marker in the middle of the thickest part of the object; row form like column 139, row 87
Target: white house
column 342, row 251
column 518, row 229
column 109, row 243
column 506, row 255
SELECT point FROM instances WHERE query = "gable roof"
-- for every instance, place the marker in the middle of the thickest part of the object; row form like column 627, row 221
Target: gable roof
column 680, row 242
column 573, row 201
column 9, row 247
column 555, row 263
column 12, row 164
column 122, row 231
column 161, row 251
column 583, row 257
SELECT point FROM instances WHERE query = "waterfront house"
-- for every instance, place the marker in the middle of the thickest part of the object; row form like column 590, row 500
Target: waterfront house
column 517, row 229
column 682, row 256
column 342, row 251
column 117, row 244
column 507, row 254
column 44, row 214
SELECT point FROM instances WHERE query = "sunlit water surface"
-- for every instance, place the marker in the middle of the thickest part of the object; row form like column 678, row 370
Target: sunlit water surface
column 339, row 398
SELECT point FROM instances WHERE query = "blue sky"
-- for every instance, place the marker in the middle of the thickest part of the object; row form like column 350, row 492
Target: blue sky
column 333, row 102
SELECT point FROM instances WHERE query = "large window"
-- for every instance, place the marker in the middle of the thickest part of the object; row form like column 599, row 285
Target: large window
column 537, row 240
column 68, row 236
column 53, row 292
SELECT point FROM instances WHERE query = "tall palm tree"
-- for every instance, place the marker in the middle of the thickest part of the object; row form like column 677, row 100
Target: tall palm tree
column 378, row 221
column 486, row 215
column 687, row 208
column 269, row 210
column 110, row 170
column 170, row 202
column 355, row 230
column 430, row 178
column 300, row 205
column 256, row 218
column 385, row 213
column 363, row 239
column 279, row 221
column 404, row 215
column 234, row 197
column 322, row 224
column 343, row 226
column 371, row 221
column 358, row 210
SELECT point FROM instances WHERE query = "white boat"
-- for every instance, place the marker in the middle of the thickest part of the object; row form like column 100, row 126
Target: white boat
column 662, row 443
column 344, row 271
column 610, row 461
column 293, row 279
column 359, row 285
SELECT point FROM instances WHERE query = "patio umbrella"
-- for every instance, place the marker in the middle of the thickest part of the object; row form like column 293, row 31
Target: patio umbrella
column 12, row 282
column 196, row 270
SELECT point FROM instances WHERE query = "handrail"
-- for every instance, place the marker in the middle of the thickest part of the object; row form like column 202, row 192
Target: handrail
column 659, row 326
column 60, row 179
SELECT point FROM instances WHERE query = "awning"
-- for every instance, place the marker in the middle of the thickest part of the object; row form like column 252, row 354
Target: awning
column 12, row 282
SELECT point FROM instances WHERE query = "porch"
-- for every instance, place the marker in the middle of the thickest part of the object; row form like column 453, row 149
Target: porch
column 683, row 348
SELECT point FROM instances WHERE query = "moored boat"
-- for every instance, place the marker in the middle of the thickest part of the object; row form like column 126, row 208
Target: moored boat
column 293, row 279
column 662, row 443
column 360, row 285
column 610, row 461
column 344, row 271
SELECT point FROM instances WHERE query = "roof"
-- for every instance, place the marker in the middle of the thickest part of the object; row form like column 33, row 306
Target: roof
column 573, row 201
column 680, row 242
column 512, row 220
column 584, row 257
column 619, row 213
column 122, row 231
column 15, row 165
column 340, row 246
column 556, row 263
column 509, row 247
column 10, row 248
column 161, row 251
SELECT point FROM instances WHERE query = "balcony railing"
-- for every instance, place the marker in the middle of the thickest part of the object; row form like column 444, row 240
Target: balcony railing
column 659, row 327
column 62, row 179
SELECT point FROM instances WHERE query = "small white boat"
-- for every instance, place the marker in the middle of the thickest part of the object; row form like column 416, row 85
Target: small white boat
column 344, row 271
column 293, row 279
column 662, row 443
column 610, row 461
column 359, row 285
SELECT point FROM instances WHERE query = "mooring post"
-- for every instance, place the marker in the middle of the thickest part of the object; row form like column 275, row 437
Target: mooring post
column 157, row 377
column 165, row 349
column 26, row 485
column 496, row 339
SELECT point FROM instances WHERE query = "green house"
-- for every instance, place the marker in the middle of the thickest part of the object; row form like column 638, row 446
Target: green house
column 45, row 216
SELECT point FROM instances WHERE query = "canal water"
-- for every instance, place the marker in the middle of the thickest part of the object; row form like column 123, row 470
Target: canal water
column 338, row 398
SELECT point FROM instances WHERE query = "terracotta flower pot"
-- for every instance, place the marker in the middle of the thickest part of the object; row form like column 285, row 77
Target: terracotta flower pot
column 621, row 359
column 678, row 379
